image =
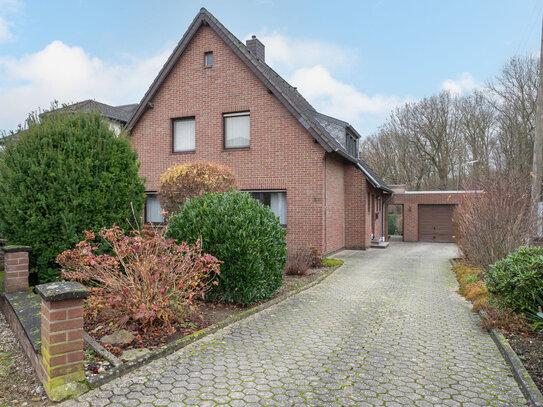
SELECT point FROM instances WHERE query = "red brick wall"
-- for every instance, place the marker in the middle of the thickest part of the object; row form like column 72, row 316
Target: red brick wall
column 282, row 155
column 357, row 232
column 411, row 202
column 335, row 205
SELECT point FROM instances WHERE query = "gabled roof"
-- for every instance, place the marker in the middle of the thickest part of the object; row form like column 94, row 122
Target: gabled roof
column 317, row 124
column 118, row 113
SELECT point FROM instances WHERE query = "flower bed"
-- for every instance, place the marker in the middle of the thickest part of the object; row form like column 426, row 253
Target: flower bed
column 204, row 314
column 148, row 291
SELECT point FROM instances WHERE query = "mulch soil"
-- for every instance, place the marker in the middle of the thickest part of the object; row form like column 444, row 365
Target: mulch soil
column 529, row 348
column 206, row 314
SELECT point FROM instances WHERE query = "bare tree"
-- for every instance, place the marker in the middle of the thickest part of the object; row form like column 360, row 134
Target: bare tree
column 513, row 95
column 477, row 127
column 427, row 144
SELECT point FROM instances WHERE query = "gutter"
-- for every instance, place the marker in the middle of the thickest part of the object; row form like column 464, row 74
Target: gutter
column 373, row 181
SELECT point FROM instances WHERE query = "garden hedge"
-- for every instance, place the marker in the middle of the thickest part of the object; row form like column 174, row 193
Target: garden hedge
column 241, row 232
column 62, row 175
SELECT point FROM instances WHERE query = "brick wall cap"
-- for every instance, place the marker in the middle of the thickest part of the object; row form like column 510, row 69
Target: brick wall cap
column 15, row 249
column 62, row 290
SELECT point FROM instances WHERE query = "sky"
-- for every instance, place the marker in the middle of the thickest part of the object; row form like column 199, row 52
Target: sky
column 355, row 60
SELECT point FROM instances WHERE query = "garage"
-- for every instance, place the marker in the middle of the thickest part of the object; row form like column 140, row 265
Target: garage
column 436, row 223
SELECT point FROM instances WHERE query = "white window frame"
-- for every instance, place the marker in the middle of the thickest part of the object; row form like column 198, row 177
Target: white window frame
column 225, row 118
column 206, row 54
column 183, row 119
column 271, row 191
column 147, row 196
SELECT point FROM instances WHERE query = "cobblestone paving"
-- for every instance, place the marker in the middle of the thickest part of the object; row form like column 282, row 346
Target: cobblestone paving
column 387, row 329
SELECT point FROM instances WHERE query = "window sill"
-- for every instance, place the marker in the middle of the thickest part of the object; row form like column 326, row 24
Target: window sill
column 182, row 152
column 237, row 148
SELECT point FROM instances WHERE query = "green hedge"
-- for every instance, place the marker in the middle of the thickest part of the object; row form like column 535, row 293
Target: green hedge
column 242, row 233
column 64, row 174
column 517, row 280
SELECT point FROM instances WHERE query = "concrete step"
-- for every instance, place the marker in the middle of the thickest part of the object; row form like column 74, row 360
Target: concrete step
column 379, row 245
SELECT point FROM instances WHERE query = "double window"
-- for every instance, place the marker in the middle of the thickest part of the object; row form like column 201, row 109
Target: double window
column 276, row 200
column 184, row 134
column 153, row 210
column 237, row 130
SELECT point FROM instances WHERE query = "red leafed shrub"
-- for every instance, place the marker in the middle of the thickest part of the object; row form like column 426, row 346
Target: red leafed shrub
column 192, row 180
column 147, row 281
column 299, row 259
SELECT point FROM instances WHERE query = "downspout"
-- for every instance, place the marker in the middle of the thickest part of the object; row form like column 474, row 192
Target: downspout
column 324, row 210
column 384, row 217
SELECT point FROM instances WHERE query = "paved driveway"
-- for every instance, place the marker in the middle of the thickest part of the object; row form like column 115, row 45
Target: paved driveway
column 386, row 329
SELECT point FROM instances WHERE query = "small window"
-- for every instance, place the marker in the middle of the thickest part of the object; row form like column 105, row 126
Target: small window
column 183, row 134
column 276, row 200
column 351, row 145
column 208, row 59
column 237, row 130
column 153, row 210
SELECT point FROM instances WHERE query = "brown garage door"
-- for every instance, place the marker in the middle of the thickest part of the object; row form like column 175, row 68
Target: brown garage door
column 436, row 223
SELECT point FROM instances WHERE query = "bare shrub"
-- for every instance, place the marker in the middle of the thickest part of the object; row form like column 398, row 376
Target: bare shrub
column 497, row 221
column 299, row 259
column 317, row 258
column 506, row 320
column 151, row 282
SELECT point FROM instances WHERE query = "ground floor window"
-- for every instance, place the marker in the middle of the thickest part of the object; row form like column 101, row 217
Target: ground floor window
column 276, row 200
column 153, row 210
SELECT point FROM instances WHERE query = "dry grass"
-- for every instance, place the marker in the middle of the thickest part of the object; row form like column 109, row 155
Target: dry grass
column 472, row 287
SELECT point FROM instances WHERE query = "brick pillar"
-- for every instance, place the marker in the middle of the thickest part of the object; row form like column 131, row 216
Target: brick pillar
column 62, row 338
column 15, row 268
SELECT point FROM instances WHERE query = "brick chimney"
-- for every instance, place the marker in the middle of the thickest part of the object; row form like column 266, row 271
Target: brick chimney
column 256, row 48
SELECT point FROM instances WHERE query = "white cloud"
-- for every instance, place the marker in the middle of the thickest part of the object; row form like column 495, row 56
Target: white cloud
column 339, row 99
column 290, row 53
column 69, row 74
column 464, row 83
column 7, row 6
column 5, row 33
column 312, row 66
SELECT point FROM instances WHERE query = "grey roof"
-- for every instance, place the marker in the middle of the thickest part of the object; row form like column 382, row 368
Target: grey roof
column 118, row 113
column 325, row 129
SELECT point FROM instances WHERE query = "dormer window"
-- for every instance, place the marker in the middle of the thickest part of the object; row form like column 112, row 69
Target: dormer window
column 208, row 59
column 352, row 145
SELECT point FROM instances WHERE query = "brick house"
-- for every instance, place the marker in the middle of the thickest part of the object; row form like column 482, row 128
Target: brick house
column 216, row 100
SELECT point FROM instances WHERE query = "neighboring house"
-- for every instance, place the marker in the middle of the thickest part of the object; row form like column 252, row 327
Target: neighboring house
column 217, row 100
column 115, row 116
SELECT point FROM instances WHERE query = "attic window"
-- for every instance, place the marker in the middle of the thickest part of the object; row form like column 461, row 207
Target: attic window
column 351, row 143
column 208, row 59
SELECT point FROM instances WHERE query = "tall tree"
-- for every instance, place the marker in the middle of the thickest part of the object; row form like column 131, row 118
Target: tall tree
column 428, row 144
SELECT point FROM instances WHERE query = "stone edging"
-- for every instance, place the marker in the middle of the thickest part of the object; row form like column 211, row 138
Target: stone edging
column 170, row 348
column 525, row 382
